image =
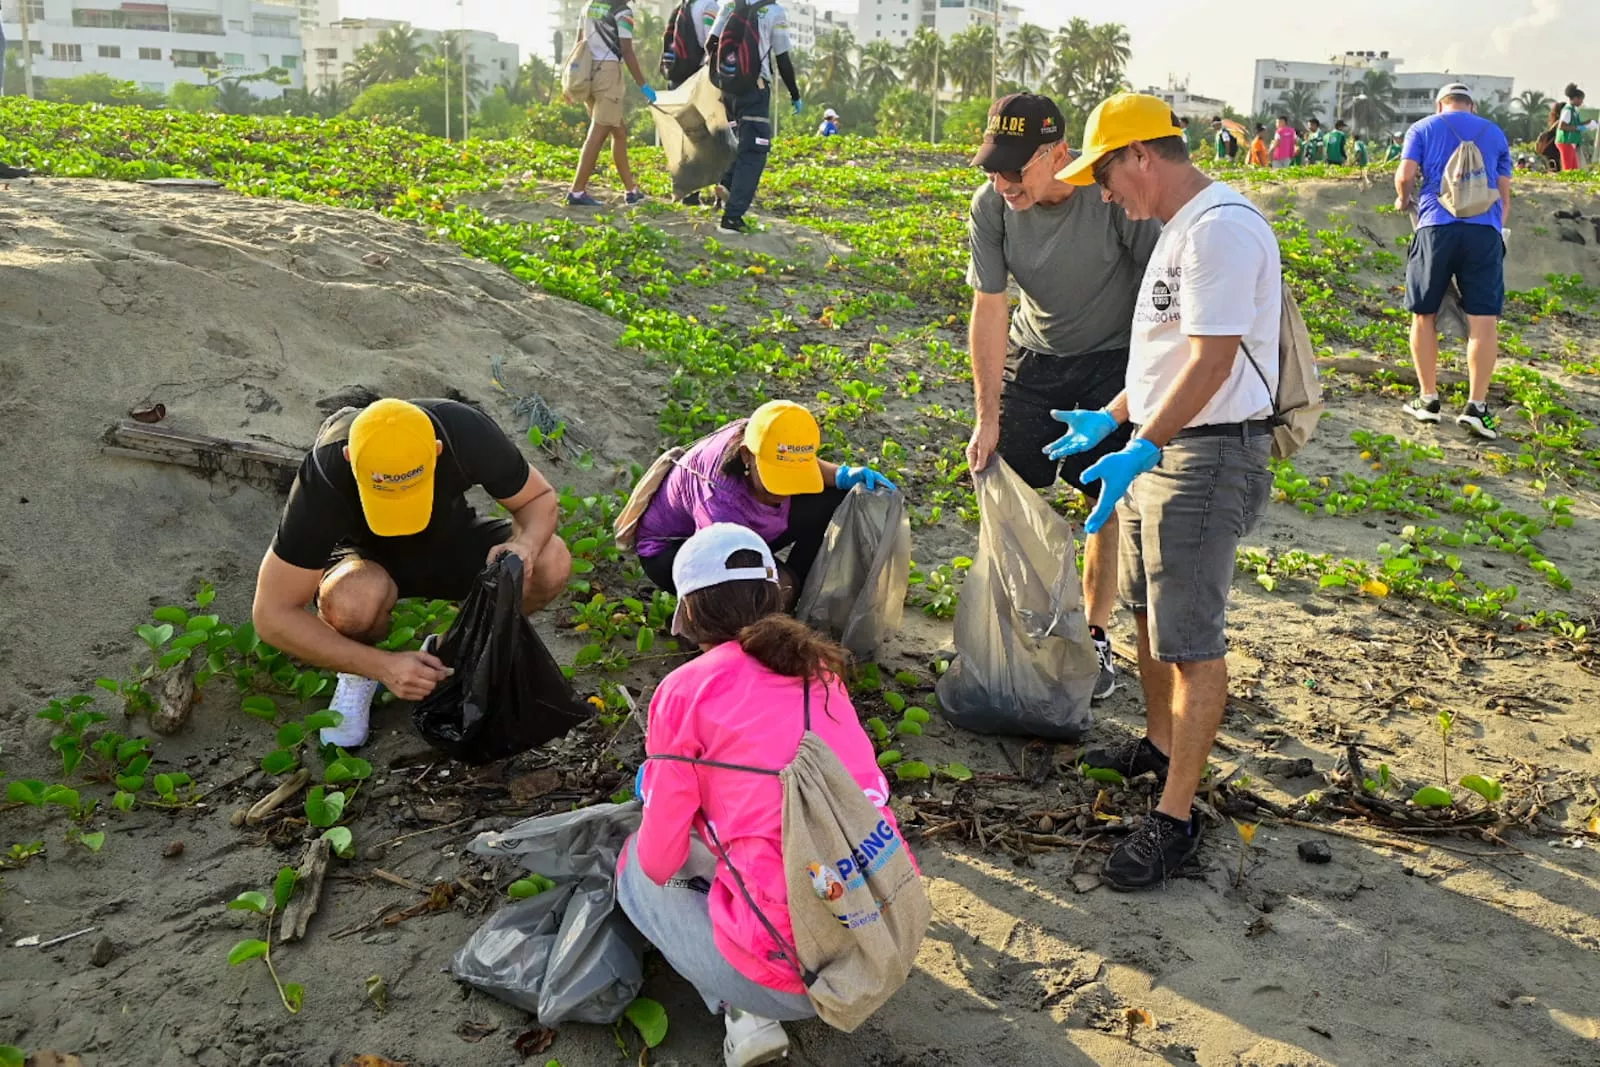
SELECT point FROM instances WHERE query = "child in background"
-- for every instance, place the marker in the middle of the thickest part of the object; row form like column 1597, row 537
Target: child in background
column 742, row 704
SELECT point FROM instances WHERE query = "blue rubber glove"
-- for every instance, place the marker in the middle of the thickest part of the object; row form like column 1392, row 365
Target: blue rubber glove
column 638, row 781
column 649, row 93
column 850, row 477
column 1085, row 429
column 799, row 105
column 1115, row 473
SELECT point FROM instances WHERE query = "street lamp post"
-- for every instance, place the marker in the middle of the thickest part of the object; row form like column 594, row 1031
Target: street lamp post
column 465, row 109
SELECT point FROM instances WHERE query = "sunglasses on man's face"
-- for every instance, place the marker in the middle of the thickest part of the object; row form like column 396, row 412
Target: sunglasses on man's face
column 1102, row 168
column 1015, row 176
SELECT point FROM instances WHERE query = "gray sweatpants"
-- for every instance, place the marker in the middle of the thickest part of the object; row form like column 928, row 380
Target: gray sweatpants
column 676, row 918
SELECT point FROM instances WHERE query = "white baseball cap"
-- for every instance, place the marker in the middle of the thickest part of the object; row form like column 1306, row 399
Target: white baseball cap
column 830, row 114
column 1453, row 89
column 702, row 562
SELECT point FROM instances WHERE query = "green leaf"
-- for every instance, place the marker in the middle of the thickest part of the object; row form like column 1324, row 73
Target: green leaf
column 1487, row 788
column 279, row 761
column 109, row 685
column 155, row 636
column 173, row 658
column 123, row 801
column 164, row 784
column 262, row 707
column 582, row 566
column 283, row 887
column 889, row 757
column 321, row 720
column 877, row 728
column 322, row 808
column 245, row 640
column 251, row 900
column 26, row 791
column 337, row 772
column 907, row 678
column 206, row 595
column 896, row 702
column 646, row 639
column 128, row 749
column 588, row 654
column 247, row 950
column 291, row 734
column 171, row 613
column 1102, row 774
column 531, row 886
column 62, row 795
column 342, row 841
column 1431, row 796
column 12, row 1056
column 93, row 842
column 912, row 771
column 130, row 783
column 917, row 715
column 956, row 772
column 202, row 624
column 648, row 1017
column 294, row 995
column 584, row 546
column 908, row 728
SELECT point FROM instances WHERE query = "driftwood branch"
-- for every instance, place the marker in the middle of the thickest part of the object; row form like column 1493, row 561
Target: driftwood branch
column 254, row 461
column 308, row 891
column 277, row 798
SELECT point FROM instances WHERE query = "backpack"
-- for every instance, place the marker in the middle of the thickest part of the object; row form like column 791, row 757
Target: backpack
column 577, row 76
column 737, row 69
column 856, row 904
column 681, row 51
column 1298, row 406
column 626, row 526
column 1464, row 188
column 1543, row 142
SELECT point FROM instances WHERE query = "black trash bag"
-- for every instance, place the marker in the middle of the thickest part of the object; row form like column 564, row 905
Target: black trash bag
column 507, row 694
column 568, row 954
column 1025, row 664
column 857, row 588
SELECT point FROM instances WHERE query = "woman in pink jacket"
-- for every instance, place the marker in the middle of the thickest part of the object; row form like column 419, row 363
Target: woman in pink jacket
column 740, row 704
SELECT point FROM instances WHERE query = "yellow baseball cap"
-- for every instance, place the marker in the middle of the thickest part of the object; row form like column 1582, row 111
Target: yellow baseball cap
column 394, row 451
column 1117, row 122
column 784, row 438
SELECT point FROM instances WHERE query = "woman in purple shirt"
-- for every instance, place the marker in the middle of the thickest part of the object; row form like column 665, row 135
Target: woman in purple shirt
column 761, row 472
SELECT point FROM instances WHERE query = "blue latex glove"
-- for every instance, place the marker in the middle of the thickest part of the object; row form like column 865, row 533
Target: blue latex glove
column 1115, row 473
column 649, row 93
column 638, row 782
column 1085, row 429
column 850, row 477
column 799, row 105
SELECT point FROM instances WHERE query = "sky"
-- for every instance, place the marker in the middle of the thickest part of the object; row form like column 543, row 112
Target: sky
column 1213, row 44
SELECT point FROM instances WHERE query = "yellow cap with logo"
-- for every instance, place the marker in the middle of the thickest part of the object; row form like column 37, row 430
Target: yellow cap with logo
column 1115, row 123
column 394, row 451
column 784, row 438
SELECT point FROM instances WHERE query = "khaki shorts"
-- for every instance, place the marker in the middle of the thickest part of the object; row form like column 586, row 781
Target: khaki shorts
column 1180, row 525
column 610, row 94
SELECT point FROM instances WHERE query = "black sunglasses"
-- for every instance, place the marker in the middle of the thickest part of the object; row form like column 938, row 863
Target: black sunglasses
column 1102, row 166
column 1015, row 176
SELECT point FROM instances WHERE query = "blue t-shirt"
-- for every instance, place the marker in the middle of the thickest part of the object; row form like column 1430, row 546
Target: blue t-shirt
column 1431, row 143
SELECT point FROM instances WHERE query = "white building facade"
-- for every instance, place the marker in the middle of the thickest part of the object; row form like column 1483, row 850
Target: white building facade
column 157, row 46
column 1333, row 82
column 896, row 21
column 1187, row 105
column 329, row 49
column 807, row 22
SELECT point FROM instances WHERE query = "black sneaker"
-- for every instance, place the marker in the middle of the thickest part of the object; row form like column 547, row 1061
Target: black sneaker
column 734, row 225
column 1106, row 684
column 1423, row 409
column 1477, row 419
column 15, row 172
column 1149, row 855
column 692, row 200
column 1129, row 758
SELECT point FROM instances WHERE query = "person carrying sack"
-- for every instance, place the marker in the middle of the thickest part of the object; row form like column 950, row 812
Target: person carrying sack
column 604, row 47
column 778, row 885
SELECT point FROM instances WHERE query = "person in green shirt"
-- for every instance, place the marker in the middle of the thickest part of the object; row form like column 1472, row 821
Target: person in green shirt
column 1569, row 130
column 1359, row 155
column 1311, row 150
column 1392, row 153
column 1225, row 143
column 1336, row 146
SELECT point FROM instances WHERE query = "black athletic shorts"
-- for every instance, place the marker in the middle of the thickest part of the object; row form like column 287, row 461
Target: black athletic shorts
column 1034, row 384
column 440, row 568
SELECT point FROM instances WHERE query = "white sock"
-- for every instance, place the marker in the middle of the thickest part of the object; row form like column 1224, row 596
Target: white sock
column 352, row 698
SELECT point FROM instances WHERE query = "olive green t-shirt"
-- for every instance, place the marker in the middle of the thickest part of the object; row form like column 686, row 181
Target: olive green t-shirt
column 1078, row 265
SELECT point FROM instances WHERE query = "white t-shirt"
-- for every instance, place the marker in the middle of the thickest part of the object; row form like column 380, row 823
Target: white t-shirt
column 1212, row 274
column 773, row 23
column 593, row 14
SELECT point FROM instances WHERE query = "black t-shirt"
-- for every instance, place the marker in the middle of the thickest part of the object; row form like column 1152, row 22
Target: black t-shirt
column 324, row 508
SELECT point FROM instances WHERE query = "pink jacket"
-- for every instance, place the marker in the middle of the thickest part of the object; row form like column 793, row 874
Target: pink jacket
column 725, row 706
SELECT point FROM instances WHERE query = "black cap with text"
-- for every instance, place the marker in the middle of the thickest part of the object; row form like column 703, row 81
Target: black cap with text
column 1019, row 125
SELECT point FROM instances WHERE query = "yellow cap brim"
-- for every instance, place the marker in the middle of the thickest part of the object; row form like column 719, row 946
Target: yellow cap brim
column 790, row 479
column 1081, row 170
column 398, row 515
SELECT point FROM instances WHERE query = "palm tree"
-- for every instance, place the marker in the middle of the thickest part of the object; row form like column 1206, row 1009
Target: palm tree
column 446, row 56
column 1370, row 102
column 921, row 57
column 1109, row 52
column 832, row 68
column 970, row 57
column 875, row 69
column 396, row 55
column 535, row 84
column 1533, row 111
column 1027, row 53
column 1299, row 103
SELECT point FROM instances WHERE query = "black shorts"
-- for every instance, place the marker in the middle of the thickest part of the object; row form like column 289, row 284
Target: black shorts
column 1034, row 384
column 1474, row 255
column 440, row 568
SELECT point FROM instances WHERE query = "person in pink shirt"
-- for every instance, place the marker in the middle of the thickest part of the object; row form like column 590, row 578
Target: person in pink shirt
column 1284, row 143
column 741, row 704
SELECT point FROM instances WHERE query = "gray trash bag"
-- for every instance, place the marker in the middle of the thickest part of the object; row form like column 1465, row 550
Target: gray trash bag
column 857, row 588
column 568, row 954
column 1025, row 663
column 698, row 143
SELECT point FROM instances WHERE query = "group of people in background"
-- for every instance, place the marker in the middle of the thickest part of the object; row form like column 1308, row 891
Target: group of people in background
column 1289, row 146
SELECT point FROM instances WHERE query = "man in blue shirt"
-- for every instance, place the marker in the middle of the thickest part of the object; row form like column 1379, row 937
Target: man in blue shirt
column 1470, row 250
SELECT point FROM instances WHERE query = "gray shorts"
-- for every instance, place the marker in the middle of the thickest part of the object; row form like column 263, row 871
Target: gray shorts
column 1181, row 524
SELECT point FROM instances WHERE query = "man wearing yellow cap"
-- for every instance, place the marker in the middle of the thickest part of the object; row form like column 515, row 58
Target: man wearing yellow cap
column 1202, row 375
column 377, row 512
column 762, row 473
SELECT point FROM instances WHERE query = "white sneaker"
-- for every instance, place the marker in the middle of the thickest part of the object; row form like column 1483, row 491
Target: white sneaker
column 752, row 1040
column 352, row 698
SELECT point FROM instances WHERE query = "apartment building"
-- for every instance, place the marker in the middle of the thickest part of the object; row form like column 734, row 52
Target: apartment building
column 896, row 21
column 1187, row 105
column 329, row 49
column 807, row 22
column 1332, row 82
column 156, row 45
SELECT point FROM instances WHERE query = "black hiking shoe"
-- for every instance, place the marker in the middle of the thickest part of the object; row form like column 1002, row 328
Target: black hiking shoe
column 1129, row 758
column 1478, row 420
column 1149, row 855
column 692, row 200
column 1423, row 409
column 734, row 225
column 14, row 172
